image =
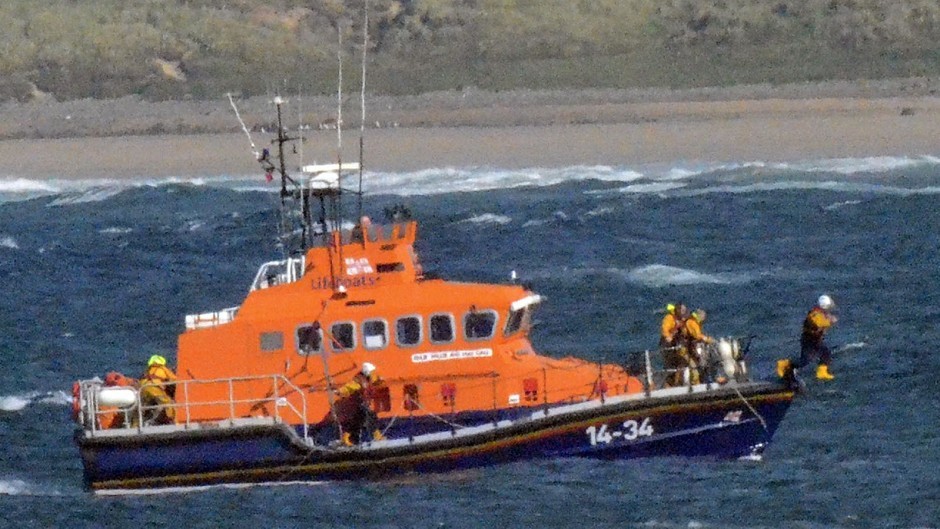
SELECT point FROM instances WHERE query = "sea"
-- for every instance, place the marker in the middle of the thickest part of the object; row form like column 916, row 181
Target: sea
column 97, row 275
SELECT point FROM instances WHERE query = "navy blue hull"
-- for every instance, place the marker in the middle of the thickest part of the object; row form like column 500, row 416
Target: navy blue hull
column 721, row 423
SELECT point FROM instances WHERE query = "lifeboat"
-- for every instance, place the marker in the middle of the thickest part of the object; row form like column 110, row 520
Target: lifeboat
column 447, row 375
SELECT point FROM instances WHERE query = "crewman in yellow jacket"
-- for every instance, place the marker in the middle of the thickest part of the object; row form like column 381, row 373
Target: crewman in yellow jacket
column 691, row 336
column 362, row 417
column 668, row 328
column 675, row 358
column 812, row 340
column 157, row 390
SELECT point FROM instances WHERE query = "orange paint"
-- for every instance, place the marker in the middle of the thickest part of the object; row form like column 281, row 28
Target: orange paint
column 371, row 302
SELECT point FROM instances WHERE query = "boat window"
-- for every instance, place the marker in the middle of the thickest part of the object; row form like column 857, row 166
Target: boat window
column 272, row 341
column 479, row 324
column 309, row 339
column 408, row 330
column 384, row 268
column 442, row 328
column 374, row 334
column 516, row 320
column 343, row 336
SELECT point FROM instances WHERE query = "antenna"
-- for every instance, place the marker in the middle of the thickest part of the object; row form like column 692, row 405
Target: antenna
column 362, row 99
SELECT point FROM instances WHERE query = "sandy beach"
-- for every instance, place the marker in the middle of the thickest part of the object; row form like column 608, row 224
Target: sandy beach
column 576, row 129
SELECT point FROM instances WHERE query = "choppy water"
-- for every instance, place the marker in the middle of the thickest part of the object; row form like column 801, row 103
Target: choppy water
column 97, row 275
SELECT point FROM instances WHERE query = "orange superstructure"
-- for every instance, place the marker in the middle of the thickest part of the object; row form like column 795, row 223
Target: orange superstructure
column 441, row 347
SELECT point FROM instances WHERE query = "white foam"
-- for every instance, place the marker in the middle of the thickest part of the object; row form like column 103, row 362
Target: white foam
column 874, row 164
column 114, row 230
column 13, row 487
column 203, row 488
column 853, row 345
column 454, row 180
column 20, row 402
column 659, row 275
column 842, row 204
column 24, row 185
column 96, row 194
column 8, row 242
column 599, row 212
column 651, row 188
column 489, row 218
column 13, row 403
column 828, row 185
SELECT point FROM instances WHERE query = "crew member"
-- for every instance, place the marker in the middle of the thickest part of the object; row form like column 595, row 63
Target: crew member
column 157, row 389
column 812, row 340
column 693, row 335
column 675, row 358
column 360, row 416
column 668, row 328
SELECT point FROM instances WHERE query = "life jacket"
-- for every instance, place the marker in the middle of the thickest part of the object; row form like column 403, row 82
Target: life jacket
column 669, row 328
column 692, row 331
column 157, row 374
column 815, row 325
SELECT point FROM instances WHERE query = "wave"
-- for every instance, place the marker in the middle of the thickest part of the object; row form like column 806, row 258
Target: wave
column 651, row 188
column 18, row 487
column 455, row 180
column 800, row 185
column 13, row 403
column 13, row 487
column 659, row 275
column 489, row 218
column 114, row 230
column 659, row 178
column 25, row 185
column 96, row 194
column 9, row 242
column 842, row 204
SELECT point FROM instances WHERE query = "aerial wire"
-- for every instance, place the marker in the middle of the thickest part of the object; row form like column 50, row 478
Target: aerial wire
column 362, row 103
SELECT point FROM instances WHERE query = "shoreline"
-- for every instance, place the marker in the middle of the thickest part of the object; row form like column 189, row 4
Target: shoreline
column 580, row 129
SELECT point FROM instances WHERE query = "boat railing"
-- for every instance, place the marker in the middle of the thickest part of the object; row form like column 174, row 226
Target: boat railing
column 103, row 407
column 281, row 272
column 709, row 364
column 277, row 399
column 210, row 319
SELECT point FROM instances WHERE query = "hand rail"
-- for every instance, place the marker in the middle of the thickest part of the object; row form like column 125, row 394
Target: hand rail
column 289, row 404
column 133, row 415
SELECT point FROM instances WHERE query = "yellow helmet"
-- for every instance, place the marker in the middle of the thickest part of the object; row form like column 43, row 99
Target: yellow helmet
column 156, row 360
column 670, row 308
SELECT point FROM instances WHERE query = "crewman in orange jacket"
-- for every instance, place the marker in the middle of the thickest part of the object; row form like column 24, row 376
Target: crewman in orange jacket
column 692, row 335
column 669, row 329
column 157, row 390
column 361, row 417
column 812, row 340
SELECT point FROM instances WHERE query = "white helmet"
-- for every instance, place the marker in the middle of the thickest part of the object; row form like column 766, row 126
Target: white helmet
column 825, row 302
column 367, row 368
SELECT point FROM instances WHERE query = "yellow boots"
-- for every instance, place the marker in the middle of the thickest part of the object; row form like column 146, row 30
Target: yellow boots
column 347, row 438
column 822, row 372
column 782, row 367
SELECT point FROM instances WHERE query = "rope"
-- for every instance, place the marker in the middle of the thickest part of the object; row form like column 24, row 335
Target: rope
column 254, row 150
column 433, row 416
column 763, row 423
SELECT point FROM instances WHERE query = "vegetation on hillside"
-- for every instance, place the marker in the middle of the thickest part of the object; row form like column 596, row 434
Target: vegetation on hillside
column 168, row 49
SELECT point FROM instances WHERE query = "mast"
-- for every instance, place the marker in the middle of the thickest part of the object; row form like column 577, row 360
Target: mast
column 295, row 223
